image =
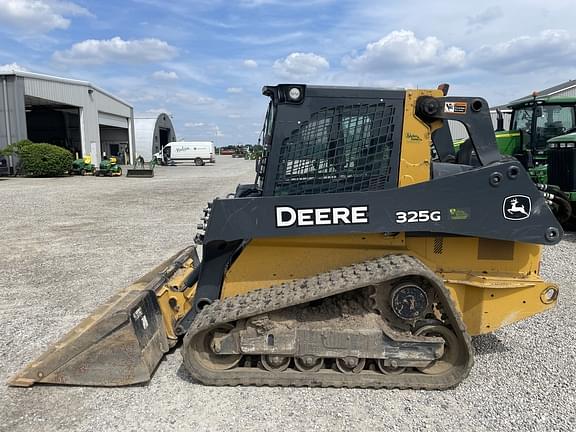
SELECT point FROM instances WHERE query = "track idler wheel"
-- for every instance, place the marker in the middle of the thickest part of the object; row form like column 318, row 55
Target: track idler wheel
column 309, row 363
column 206, row 349
column 451, row 353
column 275, row 363
column 390, row 369
column 350, row 365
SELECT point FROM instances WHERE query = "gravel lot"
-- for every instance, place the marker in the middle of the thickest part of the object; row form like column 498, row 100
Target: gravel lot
column 69, row 243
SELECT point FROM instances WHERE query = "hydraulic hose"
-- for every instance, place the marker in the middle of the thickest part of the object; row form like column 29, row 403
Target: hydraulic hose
column 561, row 207
column 553, row 189
column 192, row 278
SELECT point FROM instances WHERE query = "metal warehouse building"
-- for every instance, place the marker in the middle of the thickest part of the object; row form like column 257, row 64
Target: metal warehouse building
column 70, row 113
column 152, row 134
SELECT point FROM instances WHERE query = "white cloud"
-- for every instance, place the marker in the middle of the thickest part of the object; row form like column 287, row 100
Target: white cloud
column 38, row 16
column 402, row 48
column 165, row 75
column 249, row 63
column 485, row 17
column 190, row 71
column 271, row 39
column 292, row 3
column 548, row 49
column 156, row 111
column 234, row 90
column 300, row 65
column 94, row 51
column 12, row 67
column 206, row 130
column 190, row 98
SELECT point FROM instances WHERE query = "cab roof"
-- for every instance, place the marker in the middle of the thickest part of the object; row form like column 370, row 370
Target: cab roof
column 546, row 100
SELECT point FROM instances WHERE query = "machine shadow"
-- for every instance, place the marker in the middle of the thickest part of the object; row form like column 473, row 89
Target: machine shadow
column 183, row 374
column 488, row 344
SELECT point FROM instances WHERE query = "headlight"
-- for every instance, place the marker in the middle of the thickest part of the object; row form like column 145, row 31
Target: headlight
column 294, row 93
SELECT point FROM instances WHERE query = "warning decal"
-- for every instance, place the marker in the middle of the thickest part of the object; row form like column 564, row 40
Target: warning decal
column 455, row 107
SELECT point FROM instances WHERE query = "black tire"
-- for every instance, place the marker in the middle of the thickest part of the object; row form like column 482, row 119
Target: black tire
column 82, row 172
column 199, row 162
column 570, row 224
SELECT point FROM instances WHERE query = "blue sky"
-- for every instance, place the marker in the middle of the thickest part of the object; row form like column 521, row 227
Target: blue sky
column 205, row 61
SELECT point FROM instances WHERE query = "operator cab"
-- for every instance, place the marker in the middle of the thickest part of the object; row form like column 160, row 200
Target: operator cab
column 319, row 139
column 543, row 121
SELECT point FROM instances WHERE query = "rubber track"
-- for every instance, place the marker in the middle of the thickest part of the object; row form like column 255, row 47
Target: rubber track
column 323, row 285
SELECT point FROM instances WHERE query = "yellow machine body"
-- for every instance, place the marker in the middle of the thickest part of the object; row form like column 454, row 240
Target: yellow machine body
column 494, row 283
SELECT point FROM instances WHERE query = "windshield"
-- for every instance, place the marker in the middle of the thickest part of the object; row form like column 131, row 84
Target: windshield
column 522, row 120
column 551, row 121
column 267, row 128
column 266, row 141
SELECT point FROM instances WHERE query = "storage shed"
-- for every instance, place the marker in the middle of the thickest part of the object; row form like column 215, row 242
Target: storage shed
column 152, row 134
column 69, row 113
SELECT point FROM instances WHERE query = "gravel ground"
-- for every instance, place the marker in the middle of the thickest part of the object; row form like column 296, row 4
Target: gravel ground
column 70, row 243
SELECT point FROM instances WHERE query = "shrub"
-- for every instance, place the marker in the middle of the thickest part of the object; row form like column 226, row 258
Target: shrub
column 15, row 148
column 45, row 160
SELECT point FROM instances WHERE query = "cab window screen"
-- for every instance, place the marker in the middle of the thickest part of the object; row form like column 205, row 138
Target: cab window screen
column 340, row 149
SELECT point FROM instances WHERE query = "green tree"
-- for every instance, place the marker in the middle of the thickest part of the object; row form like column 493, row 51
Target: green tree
column 15, row 149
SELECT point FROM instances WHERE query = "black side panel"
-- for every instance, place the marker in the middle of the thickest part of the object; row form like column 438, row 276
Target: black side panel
column 472, row 203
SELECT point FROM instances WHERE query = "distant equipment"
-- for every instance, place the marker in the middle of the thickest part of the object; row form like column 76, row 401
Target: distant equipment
column 83, row 166
column 199, row 152
column 109, row 168
column 142, row 168
column 542, row 137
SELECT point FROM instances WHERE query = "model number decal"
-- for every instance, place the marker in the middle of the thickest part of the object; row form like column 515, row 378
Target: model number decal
column 412, row 216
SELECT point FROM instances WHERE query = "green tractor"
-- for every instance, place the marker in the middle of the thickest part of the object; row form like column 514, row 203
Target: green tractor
column 254, row 152
column 239, row 152
column 83, row 166
column 109, row 167
column 542, row 137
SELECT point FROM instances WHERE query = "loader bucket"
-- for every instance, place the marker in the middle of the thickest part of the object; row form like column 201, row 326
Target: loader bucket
column 121, row 343
column 140, row 172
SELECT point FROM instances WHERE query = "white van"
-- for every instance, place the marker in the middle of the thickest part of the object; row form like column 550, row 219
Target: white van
column 198, row 152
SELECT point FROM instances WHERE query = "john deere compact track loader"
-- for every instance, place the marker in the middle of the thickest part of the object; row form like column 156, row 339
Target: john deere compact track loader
column 355, row 259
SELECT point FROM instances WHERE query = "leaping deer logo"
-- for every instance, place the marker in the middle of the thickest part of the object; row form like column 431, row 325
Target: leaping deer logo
column 517, row 207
